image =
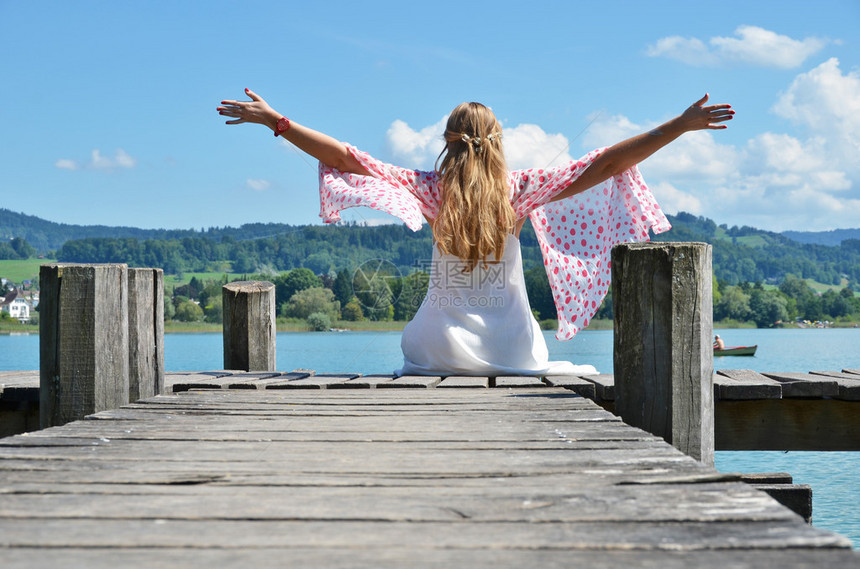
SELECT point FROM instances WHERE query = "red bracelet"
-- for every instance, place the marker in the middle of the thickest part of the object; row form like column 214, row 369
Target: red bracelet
column 282, row 126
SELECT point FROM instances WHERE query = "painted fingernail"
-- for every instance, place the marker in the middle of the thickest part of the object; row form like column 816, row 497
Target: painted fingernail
column 246, row 89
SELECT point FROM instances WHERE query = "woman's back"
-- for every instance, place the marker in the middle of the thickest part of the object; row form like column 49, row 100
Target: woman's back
column 478, row 322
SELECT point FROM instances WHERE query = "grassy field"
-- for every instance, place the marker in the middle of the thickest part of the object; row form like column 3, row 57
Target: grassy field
column 19, row 271
column 821, row 287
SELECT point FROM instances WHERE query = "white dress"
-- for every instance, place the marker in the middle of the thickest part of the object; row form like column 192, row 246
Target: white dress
column 478, row 323
column 461, row 327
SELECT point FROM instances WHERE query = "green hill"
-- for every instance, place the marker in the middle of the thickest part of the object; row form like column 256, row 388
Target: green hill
column 46, row 236
column 740, row 254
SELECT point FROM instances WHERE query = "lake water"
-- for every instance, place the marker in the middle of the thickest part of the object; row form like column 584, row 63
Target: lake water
column 834, row 476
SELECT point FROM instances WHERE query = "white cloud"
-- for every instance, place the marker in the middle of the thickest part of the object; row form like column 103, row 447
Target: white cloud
column 673, row 200
column 529, row 146
column 525, row 145
column 827, row 103
column 66, row 164
column 752, row 45
column 774, row 181
column 416, row 149
column 784, row 153
column 691, row 51
column 258, row 185
column 807, row 179
column 121, row 159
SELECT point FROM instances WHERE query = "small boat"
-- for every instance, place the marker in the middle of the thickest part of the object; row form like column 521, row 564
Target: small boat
column 736, row 351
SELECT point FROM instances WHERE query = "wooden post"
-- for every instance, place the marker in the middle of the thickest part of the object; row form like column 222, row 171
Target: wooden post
column 83, row 341
column 663, row 354
column 145, row 333
column 249, row 325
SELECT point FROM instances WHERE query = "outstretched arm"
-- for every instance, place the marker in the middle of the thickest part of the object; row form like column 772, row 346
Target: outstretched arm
column 321, row 146
column 627, row 153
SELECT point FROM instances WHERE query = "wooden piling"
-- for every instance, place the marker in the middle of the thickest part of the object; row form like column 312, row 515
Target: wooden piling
column 249, row 325
column 663, row 355
column 83, row 341
column 145, row 333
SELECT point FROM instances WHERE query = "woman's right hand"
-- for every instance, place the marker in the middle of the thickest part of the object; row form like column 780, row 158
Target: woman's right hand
column 255, row 111
column 699, row 117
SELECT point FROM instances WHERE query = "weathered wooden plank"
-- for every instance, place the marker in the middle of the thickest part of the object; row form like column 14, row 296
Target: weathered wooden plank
column 743, row 384
column 492, row 453
column 364, row 382
column 804, row 385
column 204, row 380
column 420, row 557
column 310, row 425
column 17, row 393
column 413, row 381
column 380, row 477
column 263, row 380
column 851, row 371
column 189, row 379
column 518, row 381
column 572, row 553
column 575, row 383
column 19, row 416
column 311, row 430
column 604, row 386
column 26, row 378
column 429, row 503
column 767, row 478
column 795, row 497
column 787, row 424
column 464, row 381
column 260, row 380
column 318, row 381
column 848, row 384
column 181, row 474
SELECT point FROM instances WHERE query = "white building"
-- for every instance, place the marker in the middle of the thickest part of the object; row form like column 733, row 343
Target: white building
column 17, row 306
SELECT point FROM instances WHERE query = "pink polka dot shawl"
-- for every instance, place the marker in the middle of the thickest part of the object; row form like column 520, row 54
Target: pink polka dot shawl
column 576, row 235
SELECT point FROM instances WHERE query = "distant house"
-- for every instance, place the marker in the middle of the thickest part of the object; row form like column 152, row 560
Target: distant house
column 17, row 306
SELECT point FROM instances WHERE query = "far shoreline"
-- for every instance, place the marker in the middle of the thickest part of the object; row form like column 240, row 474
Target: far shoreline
column 397, row 326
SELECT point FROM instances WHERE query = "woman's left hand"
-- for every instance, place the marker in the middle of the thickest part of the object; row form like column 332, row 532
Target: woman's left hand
column 699, row 117
column 255, row 111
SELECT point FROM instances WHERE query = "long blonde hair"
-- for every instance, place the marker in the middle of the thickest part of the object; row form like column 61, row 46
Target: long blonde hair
column 476, row 214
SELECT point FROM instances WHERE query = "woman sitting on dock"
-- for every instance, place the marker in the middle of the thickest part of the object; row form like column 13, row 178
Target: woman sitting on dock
column 476, row 319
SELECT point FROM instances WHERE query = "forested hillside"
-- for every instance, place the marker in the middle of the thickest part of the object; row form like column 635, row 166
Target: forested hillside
column 46, row 236
column 315, row 268
column 746, row 254
column 833, row 237
column 742, row 254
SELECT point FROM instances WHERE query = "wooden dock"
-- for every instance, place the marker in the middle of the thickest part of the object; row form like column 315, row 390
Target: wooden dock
column 271, row 469
column 815, row 411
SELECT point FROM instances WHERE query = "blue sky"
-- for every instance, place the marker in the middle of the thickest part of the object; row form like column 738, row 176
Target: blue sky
column 110, row 118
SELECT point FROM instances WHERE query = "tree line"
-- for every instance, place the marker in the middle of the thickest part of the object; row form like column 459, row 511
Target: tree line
column 740, row 254
column 748, row 266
